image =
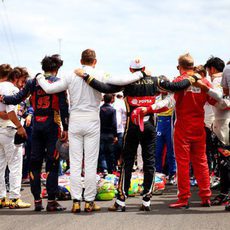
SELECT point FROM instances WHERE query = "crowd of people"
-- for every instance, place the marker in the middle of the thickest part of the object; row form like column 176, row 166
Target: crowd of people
column 182, row 126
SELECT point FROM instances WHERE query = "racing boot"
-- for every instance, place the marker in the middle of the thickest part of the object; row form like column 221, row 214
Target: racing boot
column 76, row 208
column 4, row 203
column 118, row 206
column 18, row 203
column 227, row 207
column 38, row 205
column 146, row 203
column 205, row 203
column 53, row 206
column 180, row 204
column 145, row 206
column 220, row 199
column 91, row 206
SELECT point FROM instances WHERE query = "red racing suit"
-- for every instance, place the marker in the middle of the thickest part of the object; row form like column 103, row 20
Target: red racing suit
column 190, row 139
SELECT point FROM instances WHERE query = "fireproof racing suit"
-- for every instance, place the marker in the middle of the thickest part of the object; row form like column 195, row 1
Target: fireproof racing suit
column 50, row 110
column 164, row 132
column 139, row 93
column 189, row 139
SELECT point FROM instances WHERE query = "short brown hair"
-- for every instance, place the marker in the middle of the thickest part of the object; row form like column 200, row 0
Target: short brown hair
column 88, row 56
column 186, row 61
column 201, row 70
column 5, row 69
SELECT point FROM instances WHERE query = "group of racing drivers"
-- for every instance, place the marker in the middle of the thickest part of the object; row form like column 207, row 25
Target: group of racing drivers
column 79, row 123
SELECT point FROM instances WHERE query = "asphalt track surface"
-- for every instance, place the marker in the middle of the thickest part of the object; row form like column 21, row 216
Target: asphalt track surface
column 161, row 217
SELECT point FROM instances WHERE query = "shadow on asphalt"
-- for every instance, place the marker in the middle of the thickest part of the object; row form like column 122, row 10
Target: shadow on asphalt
column 157, row 209
column 159, row 206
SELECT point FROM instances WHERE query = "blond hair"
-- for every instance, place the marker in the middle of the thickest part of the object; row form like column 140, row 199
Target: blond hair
column 186, row 61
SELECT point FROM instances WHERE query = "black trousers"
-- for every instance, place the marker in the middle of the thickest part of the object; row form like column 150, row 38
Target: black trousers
column 44, row 138
column 224, row 165
column 132, row 138
column 210, row 149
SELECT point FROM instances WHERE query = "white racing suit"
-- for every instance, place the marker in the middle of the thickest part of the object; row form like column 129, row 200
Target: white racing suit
column 9, row 153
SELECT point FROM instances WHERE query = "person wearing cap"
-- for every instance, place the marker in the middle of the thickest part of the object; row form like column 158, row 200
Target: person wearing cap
column 50, row 111
column 139, row 93
column 84, row 126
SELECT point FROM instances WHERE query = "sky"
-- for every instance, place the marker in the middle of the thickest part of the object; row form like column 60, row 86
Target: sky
column 118, row 30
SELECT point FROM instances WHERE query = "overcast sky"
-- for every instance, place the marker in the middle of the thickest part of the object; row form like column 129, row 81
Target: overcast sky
column 157, row 31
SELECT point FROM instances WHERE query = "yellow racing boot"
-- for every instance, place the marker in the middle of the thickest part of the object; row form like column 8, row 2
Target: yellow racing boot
column 91, row 206
column 18, row 203
column 76, row 208
column 4, row 203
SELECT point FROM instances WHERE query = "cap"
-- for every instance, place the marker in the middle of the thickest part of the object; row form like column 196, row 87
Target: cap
column 136, row 64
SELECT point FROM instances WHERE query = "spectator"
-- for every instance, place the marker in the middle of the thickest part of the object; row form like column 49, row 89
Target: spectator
column 108, row 137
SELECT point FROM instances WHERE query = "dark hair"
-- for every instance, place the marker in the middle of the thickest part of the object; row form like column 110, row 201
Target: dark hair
column 51, row 63
column 216, row 63
column 5, row 69
column 108, row 98
column 88, row 56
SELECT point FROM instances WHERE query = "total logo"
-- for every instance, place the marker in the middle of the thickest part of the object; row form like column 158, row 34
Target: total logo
column 134, row 101
column 145, row 101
